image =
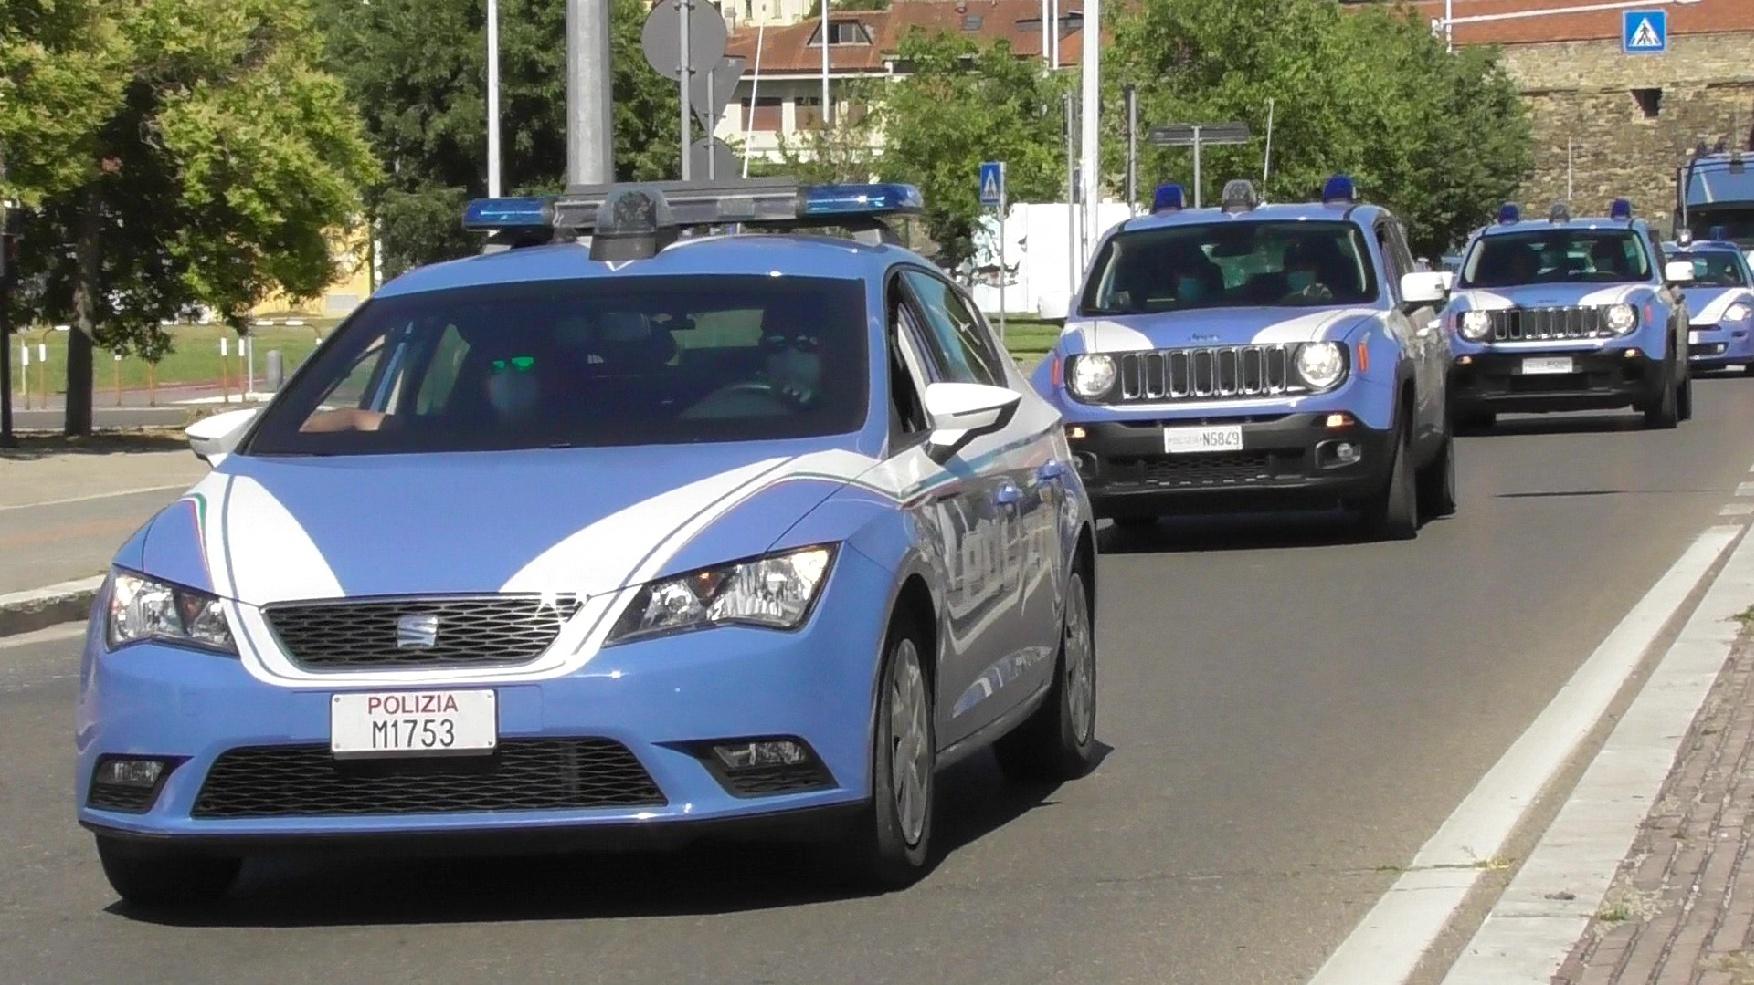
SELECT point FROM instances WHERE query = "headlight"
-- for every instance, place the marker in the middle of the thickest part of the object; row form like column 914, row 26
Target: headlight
column 1738, row 311
column 143, row 608
column 1622, row 319
column 1321, row 364
column 1092, row 375
column 1476, row 325
column 776, row 591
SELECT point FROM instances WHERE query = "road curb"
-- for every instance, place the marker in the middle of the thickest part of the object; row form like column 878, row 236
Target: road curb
column 40, row 608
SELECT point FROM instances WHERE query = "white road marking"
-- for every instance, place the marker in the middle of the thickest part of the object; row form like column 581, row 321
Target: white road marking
column 1387, row 944
column 1736, row 509
column 1545, row 909
column 94, row 496
column 1745, row 489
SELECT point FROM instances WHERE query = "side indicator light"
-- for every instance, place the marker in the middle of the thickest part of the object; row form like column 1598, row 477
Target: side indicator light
column 1363, row 357
column 1057, row 373
column 1336, row 421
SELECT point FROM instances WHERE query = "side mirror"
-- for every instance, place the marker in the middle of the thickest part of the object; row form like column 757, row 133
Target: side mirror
column 213, row 438
column 961, row 412
column 1422, row 287
column 1678, row 271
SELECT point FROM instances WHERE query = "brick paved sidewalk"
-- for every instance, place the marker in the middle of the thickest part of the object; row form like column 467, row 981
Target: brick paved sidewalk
column 1681, row 908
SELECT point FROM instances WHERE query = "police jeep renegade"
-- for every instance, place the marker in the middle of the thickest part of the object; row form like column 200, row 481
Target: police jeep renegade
column 1258, row 356
column 1561, row 314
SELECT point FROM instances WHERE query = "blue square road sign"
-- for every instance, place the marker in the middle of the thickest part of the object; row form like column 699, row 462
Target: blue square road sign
column 1644, row 32
column 992, row 184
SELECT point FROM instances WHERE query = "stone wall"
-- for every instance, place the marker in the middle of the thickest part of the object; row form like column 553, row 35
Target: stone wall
column 1584, row 91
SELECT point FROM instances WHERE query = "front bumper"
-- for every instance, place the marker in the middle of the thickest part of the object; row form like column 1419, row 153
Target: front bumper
column 663, row 700
column 1286, row 460
column 1495, row 381
column 1718, row 347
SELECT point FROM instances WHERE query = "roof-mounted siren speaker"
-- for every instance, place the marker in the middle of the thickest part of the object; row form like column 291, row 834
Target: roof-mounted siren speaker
column 1239, row 195
column 1560, row 212
column 1620, row 209
column 1339, row 190
column 1169, row 198
column 1509, row 213
column 633, row 223
column 1684, row 237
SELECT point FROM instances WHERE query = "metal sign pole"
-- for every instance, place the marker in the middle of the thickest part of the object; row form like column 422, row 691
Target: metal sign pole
column 6, row 438
column 686, row 7
column 1071, row 201
column 589, row 149
column 1004, row 273
column 493, row 174
column 1132, row 94
column 1196, row 165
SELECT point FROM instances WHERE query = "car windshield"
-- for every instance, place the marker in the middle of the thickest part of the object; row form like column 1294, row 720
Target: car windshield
column 1715, row 268
column 1731, row 222
column 1556, row 256
column 589, row 362
column 1231, row 264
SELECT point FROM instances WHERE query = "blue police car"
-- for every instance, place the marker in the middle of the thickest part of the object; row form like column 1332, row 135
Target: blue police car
column 677, row 517
column 1258, row 356
column 1558, row 314
column 1720, row 304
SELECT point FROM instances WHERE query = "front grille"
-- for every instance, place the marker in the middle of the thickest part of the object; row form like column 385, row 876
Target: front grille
column 1549, row 324
column 522, row 775
column 1208, row 373
column 466, row 631
column 1194, row 470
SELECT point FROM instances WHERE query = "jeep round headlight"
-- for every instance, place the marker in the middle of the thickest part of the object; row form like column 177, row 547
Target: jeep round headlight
column 1320, row 364
column 1092, row 375
column 1476, row 325
column 1738, row 311
column 1622, row 319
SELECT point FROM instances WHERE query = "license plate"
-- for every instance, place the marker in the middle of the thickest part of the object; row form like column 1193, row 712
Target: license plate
column 1181, row 441
column 1693, row 338
column 413, row 723
column 1546, row 365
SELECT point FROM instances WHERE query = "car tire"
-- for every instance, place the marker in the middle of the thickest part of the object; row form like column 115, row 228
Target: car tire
column 1393, row 514
column 165, row 879
column 1437, row 482
column 1665, row 411
column 1748, row 370
column 1057, row 742
column 1684, row 400
column 896, row 837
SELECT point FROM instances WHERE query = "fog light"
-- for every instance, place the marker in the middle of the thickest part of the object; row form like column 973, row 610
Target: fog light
column 1464, row 360
column 1633, row 353
column 142, row 773
column 1340, row 420
column 767, row 752
column 1075, row 433
column 1346, row 453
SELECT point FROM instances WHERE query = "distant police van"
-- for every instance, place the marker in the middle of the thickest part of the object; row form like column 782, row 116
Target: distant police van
column 1720, row 304
column 1560, row 314
column 1257, row 356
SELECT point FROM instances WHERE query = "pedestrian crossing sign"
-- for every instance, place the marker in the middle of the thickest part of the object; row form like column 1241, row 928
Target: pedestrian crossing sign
column 992, row 184
column 1644, row 32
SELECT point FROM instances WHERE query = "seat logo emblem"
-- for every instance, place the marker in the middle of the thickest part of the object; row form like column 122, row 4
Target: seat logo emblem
column 417, row 631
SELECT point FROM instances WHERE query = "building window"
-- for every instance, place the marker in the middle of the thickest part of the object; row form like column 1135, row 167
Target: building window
column 1650, row 101
column 766, row 114
column 842, row 32
column 971, row 22
column 808, row 113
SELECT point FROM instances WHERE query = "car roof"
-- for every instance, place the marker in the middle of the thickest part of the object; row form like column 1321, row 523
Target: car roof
column 1702, row 246
column 746, row 254
column 1357, row 212
column 1577, row 222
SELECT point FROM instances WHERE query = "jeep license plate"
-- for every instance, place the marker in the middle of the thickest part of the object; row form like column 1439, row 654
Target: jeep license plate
column 1546, row 365
column 1182, row 441
column 413, row 723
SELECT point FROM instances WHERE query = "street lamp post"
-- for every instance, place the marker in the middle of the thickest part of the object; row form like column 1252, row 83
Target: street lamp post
column 493, row 173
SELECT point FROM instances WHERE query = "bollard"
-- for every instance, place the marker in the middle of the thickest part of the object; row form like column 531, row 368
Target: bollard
column 272, row 372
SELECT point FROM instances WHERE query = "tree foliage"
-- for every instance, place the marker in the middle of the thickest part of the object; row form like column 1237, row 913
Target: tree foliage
column 1366, row 91
column 418, row 70
column 964, row 103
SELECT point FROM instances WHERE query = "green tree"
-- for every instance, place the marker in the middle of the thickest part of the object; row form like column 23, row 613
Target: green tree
column 210, row 164
column 418, row 71
column 961, row 104
column 1365, row 91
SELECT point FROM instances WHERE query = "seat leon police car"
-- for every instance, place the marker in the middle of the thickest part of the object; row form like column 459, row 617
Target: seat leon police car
column 644, row 537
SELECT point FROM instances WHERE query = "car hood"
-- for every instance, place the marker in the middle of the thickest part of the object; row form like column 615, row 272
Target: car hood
column 1212, row 326
column 552, row 521
column 1707, row 305
column 1549, row 296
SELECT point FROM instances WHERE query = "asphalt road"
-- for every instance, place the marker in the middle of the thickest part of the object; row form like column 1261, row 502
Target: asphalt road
column 1290, row 716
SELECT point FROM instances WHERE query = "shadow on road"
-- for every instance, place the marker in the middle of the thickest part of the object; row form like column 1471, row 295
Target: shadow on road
column 32, row 446
column 1559, row 424
column 704, row 878
column 1236, row 532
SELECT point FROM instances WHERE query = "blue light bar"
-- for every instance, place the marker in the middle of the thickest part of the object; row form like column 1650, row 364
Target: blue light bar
column 1620, row 208
column 1509, row 213
column 488, row 214
column 1169, row 198
column 867, row 200
column 1339, row 189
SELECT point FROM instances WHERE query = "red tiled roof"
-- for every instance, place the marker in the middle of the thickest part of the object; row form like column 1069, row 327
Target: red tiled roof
column 1701, row 17
column 789, row 49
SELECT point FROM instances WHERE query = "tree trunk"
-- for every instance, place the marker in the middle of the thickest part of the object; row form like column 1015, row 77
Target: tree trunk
column 85, row 290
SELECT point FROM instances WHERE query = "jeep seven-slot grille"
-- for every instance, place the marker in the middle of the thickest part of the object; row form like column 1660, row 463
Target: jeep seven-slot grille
column 521, row 775
column 436, row 631
column 1549, row 324
column 1207, row 373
